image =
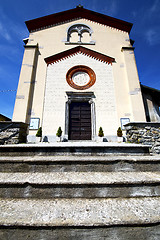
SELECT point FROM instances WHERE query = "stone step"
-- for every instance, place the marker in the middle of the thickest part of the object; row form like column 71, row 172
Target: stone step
column 84, row 163
column 83, row 158
column 82, row 184
column 80, row 178
column 69, row 186
column 118, row 232
column 79, row 191
column 74, row 148
column 79, row 212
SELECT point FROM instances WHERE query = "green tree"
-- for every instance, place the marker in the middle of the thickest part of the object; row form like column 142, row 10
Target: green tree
column 100, row 133
column 119, row 132
column 59, row 132
column 39, row 132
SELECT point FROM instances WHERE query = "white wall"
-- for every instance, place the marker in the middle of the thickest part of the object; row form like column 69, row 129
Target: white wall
column 55, row 94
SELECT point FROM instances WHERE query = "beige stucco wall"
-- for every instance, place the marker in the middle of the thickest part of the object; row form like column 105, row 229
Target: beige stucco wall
column 109, row 41
column 26, row 85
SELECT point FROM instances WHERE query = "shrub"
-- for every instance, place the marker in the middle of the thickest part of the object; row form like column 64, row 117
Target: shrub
column 39, row 132
column 119, row 132
column 100, row 134
column 59, row 132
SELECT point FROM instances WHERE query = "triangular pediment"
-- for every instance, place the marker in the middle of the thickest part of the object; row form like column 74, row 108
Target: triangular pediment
column 79, row 49
column 77, row 13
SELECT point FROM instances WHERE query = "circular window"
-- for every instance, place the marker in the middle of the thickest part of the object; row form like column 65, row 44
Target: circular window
column 81, row 77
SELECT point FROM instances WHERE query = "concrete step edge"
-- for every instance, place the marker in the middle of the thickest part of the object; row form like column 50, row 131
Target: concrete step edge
column 75, row 144
column 87, row 158
column 79, row 212
column 81, row 178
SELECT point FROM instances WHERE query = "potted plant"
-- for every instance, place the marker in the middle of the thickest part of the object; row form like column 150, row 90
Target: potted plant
column 39, row 135
column 119, row 135
column 59, row 134
column 100, row 134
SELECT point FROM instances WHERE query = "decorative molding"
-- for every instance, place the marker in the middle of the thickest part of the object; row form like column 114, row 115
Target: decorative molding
column 81, row 43
column 80, row 29
column 31, row 46
column 74, row 14
column 81, row 69
column 79, row 49
column 81, row 97
column 127, row 48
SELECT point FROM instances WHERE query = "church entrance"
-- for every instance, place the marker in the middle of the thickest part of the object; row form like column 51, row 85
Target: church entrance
column 80, row 121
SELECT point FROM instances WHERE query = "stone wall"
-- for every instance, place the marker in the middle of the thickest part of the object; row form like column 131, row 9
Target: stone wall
column 13, row 132
column 145, row 133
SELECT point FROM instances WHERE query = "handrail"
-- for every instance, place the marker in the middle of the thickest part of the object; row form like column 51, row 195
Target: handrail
column 4, row 139
column 6, row 127
column 10, row 130
column 13, row 135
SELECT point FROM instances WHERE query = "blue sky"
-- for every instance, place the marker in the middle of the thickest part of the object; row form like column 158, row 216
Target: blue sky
column 144, row 14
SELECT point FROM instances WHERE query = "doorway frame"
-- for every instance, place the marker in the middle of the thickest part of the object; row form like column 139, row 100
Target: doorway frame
column 81, row 97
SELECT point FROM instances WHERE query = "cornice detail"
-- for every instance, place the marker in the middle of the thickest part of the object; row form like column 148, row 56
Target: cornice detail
column 74, row 14
column 73, row 51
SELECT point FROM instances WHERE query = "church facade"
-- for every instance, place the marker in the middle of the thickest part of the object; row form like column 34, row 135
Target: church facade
column 79, row 73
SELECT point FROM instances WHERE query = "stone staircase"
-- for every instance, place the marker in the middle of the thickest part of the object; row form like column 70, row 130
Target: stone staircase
column 79, row 191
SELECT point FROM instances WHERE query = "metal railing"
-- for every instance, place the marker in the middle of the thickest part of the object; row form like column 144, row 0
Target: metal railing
column 4, row 139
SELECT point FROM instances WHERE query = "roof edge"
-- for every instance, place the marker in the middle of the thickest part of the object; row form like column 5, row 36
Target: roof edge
column 75, row 13
column 80, row 49
column 149, row 88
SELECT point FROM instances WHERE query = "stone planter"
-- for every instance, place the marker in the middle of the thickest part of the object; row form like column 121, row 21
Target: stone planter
column 38, row 139
column 119, row 139
column 58, row 139
column 100, row 139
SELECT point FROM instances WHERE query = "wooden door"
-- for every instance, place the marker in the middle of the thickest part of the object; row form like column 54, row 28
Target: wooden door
column 80, row 121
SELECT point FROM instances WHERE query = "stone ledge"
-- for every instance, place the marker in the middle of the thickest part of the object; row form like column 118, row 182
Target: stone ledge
column 81, row 178
column 79, row 212
column 84, row 144
column 142, row 124
column 84, row 159
column 74, row 149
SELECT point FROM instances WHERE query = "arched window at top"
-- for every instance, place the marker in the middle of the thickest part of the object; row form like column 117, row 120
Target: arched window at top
column 79, row 34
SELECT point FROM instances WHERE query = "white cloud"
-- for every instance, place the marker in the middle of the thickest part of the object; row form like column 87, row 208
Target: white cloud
column 10, row 29
column 11, row 52
column 134, row 14
column 4, row 33
column 155, row 6
column 152, row 10
column 92, row 4
column 153, row 36
column 111, row 7
column 108, row 7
